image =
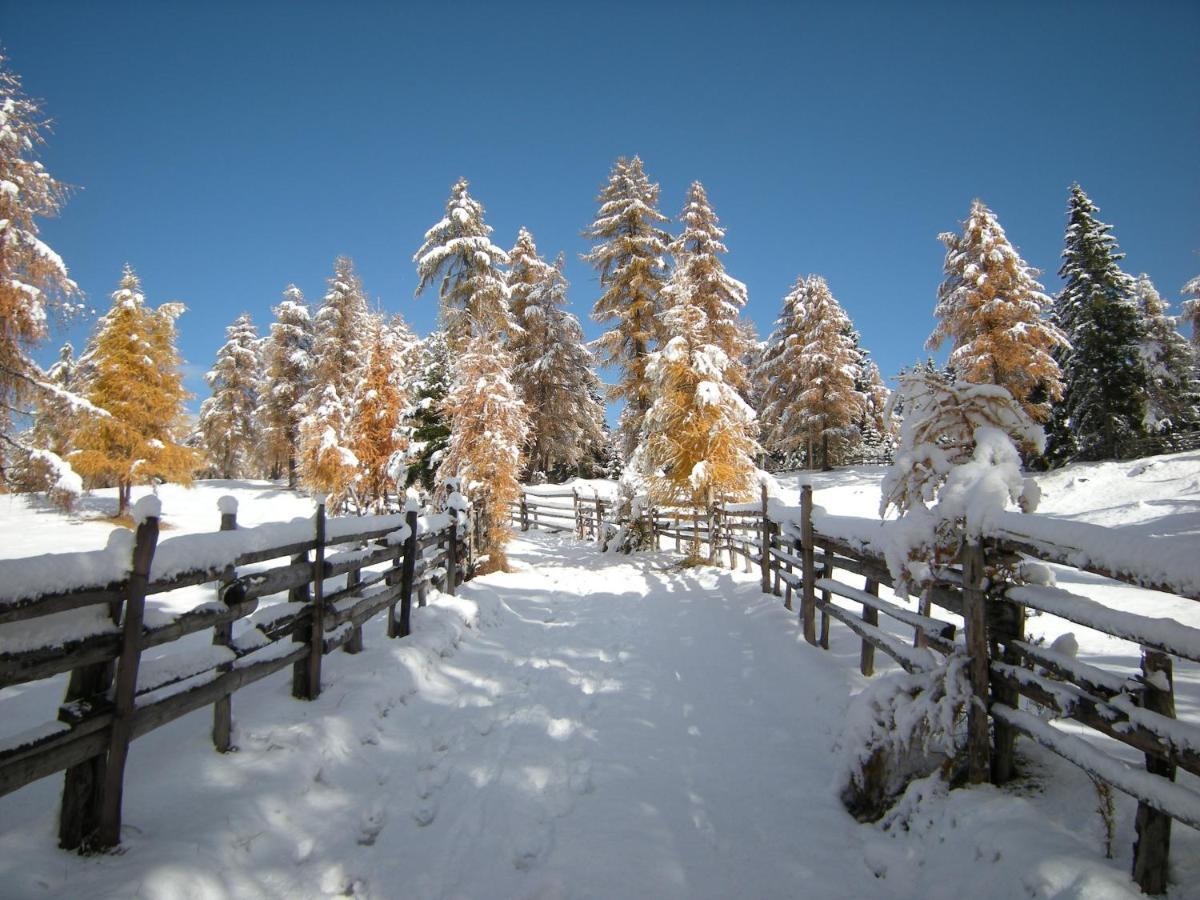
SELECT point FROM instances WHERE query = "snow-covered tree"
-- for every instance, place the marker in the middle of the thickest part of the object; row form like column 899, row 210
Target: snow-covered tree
column 959, row 460
column 226, row 421
column 375, row 435
column 698, row 270
column 810, row 372
column 1191, row 313
column 629, row 253
column 426, row 424
column 34, row 284
column 990, row 308
column 133, row 374
column 287, row 373
column 488, row 421
column 458, row 254
column 55, row 416
column 876, row 427
column 699, row 432
column 340, row 329
column 1102, row 414
column 1173, row 402
column 552, row 368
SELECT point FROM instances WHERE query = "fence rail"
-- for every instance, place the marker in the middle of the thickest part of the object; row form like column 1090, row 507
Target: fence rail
column 114, row 695
column 795, row 559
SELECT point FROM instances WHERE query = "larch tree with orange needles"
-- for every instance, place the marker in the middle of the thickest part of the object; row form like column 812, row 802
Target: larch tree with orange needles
column 132, row 368
column 991, row 308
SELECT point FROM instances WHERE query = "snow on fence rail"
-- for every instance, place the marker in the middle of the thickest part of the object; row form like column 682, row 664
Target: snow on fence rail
column 799, row 551
column 85, row 613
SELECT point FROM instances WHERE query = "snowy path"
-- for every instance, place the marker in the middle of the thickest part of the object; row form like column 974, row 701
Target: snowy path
column 588, row 726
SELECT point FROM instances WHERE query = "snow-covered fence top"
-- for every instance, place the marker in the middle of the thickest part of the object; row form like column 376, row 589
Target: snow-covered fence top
column 79, row 612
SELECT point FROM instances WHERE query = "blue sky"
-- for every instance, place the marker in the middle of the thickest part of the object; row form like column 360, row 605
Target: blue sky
column 227, row 149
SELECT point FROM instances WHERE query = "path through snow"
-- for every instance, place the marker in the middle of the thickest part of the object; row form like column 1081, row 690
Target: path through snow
column 589, row 726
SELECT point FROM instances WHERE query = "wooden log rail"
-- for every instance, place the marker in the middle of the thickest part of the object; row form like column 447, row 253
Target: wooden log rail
column 349, row 571
column 795, row 560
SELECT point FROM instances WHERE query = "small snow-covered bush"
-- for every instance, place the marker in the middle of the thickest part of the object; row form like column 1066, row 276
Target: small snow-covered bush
column 902, row 727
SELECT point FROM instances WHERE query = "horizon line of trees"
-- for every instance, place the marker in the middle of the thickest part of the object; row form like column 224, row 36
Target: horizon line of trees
column 351, row 404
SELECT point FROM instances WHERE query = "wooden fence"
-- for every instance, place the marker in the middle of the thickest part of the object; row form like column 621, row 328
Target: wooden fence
column 803, row 563
column 112, row 698
column 579, row 512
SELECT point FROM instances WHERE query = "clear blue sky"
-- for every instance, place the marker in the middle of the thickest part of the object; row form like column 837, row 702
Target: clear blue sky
column 226, row 149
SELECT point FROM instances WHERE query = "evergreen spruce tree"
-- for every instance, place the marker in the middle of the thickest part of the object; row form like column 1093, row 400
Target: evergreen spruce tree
column 226, row 421
column 426, row 424
column 287, row 374
column 340, row 329
column 812, row 401
column 1102, row 414
column 629, row 254
column 133, row 375
column 991, row 307
column 34, row 284
column 828, row 371
column 55, row 416
column 1191, row 313
column 552, row 369
column 1173, row 402
column 488, row 421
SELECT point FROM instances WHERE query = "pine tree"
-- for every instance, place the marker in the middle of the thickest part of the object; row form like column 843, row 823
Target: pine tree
column 1191, row 313
column 34, row 284
column 226, row 421
column 1103, row 411
column 459, row 255
column 1173, row 402
column 699, row 270
column 699, row 432
column 629, row 254
column 339, row 356
column 426, row 424
column 55, row 416
column 990, row 308
column 810, row 369
column 552, row 369
column 375, row 436
column 287, row 373
column 876, row 428
column 488, row 421
column 133, row 374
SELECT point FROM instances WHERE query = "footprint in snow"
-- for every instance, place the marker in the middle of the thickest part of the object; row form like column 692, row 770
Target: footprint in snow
column 529, row 846
column 372, row 823
column 425, row 812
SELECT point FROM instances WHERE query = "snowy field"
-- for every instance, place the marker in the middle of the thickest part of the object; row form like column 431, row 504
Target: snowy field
column 586, row 726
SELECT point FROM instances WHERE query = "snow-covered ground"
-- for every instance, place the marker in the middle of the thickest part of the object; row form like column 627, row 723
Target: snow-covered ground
column 590, row 725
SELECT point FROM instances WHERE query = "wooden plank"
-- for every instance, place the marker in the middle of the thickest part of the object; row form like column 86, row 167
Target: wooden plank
column 32, row 608
column 870, row 616
column 1091, row 678
column 222, row 728
column 941, row 632
column 376, row 557
column 808, row 595
column 1152, row 734
column 1177, row 801
column 65, row 750
column 272, row 581
column 910, row 659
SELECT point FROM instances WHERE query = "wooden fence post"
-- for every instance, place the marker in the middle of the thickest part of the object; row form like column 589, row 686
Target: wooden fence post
column 306, row 674
column 125, row 690
column 764, row 547
column 826, row 597
column 407, row 570
column 354, row 644
column 1153, row 827
column 524, row 512
column 575, row 508
column 599, row 518
column 1004, row 736
column 808, row 598
column 222, row 729
column 870, row 615
column 975, row 637
column 452, row 551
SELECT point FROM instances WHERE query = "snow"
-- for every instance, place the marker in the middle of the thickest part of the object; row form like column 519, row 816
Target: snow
column 148, row 507
column 587, row 725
